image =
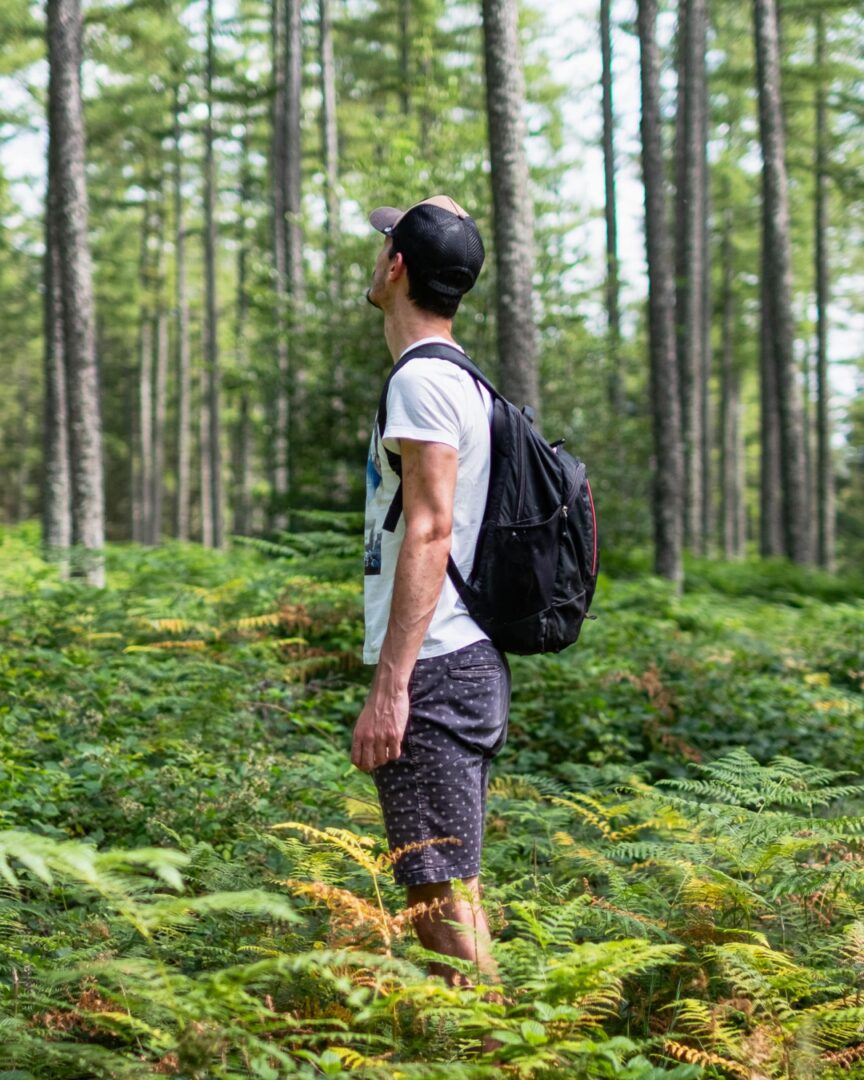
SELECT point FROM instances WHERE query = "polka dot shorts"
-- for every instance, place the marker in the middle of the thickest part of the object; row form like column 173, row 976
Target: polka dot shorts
column 433, row 797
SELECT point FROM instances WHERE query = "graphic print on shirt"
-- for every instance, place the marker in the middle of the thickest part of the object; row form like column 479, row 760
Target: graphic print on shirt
column 372, row 546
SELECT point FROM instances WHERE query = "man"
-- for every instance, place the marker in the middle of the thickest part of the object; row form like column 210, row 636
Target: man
column 437, row 711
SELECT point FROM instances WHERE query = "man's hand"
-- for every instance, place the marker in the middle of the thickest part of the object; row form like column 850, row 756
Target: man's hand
column 379, row 729
column 428, row 485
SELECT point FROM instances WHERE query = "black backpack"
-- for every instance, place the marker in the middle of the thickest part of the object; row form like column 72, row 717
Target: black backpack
column 535, row 565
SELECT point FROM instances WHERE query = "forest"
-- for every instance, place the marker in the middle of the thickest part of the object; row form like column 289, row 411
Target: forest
column 195, row 879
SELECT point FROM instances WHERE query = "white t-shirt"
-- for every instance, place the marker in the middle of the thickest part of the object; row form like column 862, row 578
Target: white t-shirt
column 429, row 400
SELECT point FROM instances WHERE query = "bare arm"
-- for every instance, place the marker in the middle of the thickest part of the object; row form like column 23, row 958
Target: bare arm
column 428, row 488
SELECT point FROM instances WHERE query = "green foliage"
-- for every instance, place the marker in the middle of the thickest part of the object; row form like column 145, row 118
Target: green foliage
column 194, row 880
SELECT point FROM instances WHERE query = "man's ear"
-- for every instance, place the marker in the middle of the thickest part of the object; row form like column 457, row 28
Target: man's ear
column 397, row 266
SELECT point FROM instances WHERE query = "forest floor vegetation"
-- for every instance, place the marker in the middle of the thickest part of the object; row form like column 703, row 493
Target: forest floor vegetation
column 194, row 880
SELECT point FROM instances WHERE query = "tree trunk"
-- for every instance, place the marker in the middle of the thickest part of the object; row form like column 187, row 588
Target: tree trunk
column 668, row 466
column 56, row 510
column 731, row 446
column 293, row 222
column 690, row 256
column 824, row 470
column 616, row 385
column 66, row 125
column 329, row 150
column 511, row 201
column 404, row 56
column 205, row 459
column 160, row 386
column 142, row 489
column 770, row 479
column 243, row 432
column 280, row 406
column 775, row 224
column 709, row 505
column 211, row 335
column 181, row 346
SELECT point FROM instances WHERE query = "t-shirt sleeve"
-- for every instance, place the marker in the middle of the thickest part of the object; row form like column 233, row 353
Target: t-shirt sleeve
column 423, row 404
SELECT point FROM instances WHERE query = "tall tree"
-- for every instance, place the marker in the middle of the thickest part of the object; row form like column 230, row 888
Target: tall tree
column 824, row 470
column 280, row 405
column 205, row 459
column 182, row 359
column 211, row 346
column 690, row 265
column 404, row 56
column 329, row 147
column 56, row 509
column 665, row 400
column 770, row 477
column 511, row 202
column 66, row 133
column 242, row 486
column 142, row 450
column 777, row 294
column 293, row 222
column 160, row 377
column 616, row 386
column 731, row 441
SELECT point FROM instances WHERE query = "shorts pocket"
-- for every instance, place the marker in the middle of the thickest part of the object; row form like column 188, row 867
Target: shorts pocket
column 475, row 669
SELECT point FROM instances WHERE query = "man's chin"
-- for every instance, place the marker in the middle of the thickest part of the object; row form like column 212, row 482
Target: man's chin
column 372, row 299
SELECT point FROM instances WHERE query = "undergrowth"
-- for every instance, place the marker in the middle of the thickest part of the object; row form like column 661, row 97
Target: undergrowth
column 194, row 882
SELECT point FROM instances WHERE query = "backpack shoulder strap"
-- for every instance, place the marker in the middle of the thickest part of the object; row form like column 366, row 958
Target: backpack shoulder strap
column 435, row 350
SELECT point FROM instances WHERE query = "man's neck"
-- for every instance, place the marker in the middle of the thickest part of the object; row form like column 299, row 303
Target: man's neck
column 404, row 326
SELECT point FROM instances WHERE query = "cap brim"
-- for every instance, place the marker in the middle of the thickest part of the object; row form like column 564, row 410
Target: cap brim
column 384, row 218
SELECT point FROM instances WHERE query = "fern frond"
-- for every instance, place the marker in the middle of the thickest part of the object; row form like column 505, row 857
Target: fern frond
column 704, row 1020
column 690, row 1054
column 256, row 622
column 354, row 846
column 191, row 644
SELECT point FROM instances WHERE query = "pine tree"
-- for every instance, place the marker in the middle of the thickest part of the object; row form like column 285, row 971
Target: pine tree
column 512, row 205
column 778, row 331
column 70, row 228
column 665, row 400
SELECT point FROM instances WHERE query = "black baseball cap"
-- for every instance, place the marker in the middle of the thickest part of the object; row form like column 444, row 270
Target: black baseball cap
column 439, row 241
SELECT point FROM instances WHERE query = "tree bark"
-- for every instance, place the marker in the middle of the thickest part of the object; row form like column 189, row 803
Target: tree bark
column 293, row 222
column 668, row 466
column 66, row 125
column 332, row 235
column 205, row 459
column 770, row 479
column 329, row 149
column 731, row 445
column 211, row 328
column 824, row 470
column 709, row 505
column 613, row 318
column 280, row 408
column 512, row 204
column 243, row 431
column 404, row 56
column 775, row 224
column 160, row 385
column 181, row 354
column 690, row 256
column 142, row 488
column 56, row 495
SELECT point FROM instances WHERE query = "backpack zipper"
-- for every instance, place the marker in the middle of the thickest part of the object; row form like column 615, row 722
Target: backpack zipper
column 594, row 530
column 520, row 458
column 565, row 510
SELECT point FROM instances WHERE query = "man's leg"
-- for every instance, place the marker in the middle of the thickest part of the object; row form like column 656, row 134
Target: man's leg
column 470, row 940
